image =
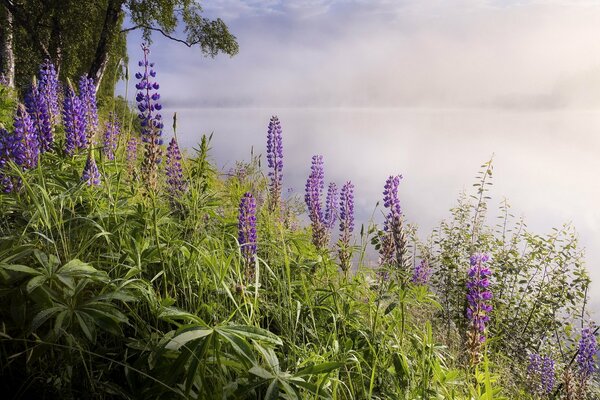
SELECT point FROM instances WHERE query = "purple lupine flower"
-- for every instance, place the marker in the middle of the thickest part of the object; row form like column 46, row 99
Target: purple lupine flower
column 585, row 355
column 74, row 122
column 275, row 161
column 90, row 175
column 112, row 131
column 38, row 111
column 547, row 375
column 49, row 88
column 26, row 153
column 87, row 95
column 9, row 143
column 392, row 241
column 247, row 231
column 330, row 206
column 314, row 186
column 131, row 156
column 3, row 80
column 421, row 274
column 176, row 184
column 346, row 224
column 147, row 98
column 478, row 304
column 534, row 371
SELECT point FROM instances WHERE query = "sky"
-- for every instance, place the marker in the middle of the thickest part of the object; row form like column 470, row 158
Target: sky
column 429, row 89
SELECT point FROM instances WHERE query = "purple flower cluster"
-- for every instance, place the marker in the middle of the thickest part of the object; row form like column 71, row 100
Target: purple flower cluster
column 74, row 122
column 89, row 109
column 421, row 273
column 151, row 120
column 275, row 161
column 131, row 155
column 49, row 88
column 176, row 183
column 321, row 223
column 37, row 109
column 585, row 354
column 478, row 303
column 90, row 175
column 3, row 80
column 346, row 224
column 112, row 131
column 8, row 145
column 392, row 247
column 540, row 374
column 247, row 231
column 26, row 151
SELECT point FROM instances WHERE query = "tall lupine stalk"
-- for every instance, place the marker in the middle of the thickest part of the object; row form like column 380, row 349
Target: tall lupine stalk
column 112, row 131
column 247, row 232
column 147, row 98
column 330, row 206
column 27, row 156
column 49, row 89
column 90, row 175
column 540, row 374
column 275, row 162
column 421, row 273
column 346, row 225
column 478, row 305
column 87, row 94
column 586, row 364
column 314, row 187
column 176, row 184
column 392, row 248
column 38, row 111
column 9, row 145
column 74, row 122
column 131, row 156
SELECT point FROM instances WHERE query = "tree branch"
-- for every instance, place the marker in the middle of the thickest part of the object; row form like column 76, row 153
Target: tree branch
column 162, row 32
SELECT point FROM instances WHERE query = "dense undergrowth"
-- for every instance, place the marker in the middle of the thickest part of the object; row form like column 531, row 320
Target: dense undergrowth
column 124, row 278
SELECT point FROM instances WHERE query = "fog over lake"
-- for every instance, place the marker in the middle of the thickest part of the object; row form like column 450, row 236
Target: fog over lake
column 426, row 89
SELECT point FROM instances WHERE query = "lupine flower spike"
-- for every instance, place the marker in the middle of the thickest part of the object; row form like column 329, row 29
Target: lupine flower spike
column 9, row 146
column 49, row 88
column 74, row 122
column 478, row 305
column 26, row 152
column 540, row 374
column 87, row 94
column 346, row 225
column 330, row 206
column 275, row 161
column 314, row 186
column 247, row 232
column 112, row 130
column 421, row 274
column 38, row 111
column 151, row 120
column 176, row 183
column 90, row 175
column 586, row 364
column 131, row 156
column 392, row 248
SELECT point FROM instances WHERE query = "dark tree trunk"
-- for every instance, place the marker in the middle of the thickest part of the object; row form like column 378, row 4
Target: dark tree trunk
column 7, row 57
column 109, row 30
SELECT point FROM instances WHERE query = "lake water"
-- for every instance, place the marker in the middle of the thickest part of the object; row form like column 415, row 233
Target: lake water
column 546, row 163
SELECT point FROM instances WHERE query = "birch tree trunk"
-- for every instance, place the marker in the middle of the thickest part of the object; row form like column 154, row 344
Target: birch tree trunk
column 7, row 57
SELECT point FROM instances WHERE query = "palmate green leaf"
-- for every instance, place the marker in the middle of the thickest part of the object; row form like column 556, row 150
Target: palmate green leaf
column 35, row 282
column 319, row 369
column 43, row 316
column 20, row 268
column 172, row 314
column 182, row 339
column 261, row 372
column 252, row 332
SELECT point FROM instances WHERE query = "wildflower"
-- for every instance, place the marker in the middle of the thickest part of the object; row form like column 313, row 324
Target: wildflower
column 392, row 240
column 330, row 206
column 89, row 108
column 176, row 184
column 74, row 122
column 8, row 145
column 421, row 273
column 478, row 306
column 26, row 150
column 38, row 111
column 90, row 175
column 314, row 186
column 147, row 98
column 586, row 365
column 547, row 375
column 275, row 161
column 540, row 374
column 131, row 156
column 247, row 231
column 48, row 87
column 112, row 130
column 346, row 224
